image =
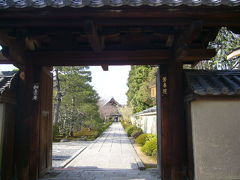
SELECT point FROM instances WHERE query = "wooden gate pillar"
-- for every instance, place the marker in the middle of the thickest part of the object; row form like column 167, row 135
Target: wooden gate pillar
column 173, row 126
column 26, row 148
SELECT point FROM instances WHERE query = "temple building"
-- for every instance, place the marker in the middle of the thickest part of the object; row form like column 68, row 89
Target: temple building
column 110, row 111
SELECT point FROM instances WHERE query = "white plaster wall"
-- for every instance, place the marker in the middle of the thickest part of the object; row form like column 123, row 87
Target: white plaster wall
column 148, row 123
column 216, row 139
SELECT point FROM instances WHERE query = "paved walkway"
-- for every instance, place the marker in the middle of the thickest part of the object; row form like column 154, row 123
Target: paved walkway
column 110, row 157
column 63, row 152
column 112, row 151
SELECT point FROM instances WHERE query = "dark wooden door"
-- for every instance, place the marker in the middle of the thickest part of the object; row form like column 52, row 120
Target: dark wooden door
column 45, row 122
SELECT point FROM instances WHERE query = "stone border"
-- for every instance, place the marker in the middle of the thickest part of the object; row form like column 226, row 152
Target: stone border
column 65, row 163
column 136, row 157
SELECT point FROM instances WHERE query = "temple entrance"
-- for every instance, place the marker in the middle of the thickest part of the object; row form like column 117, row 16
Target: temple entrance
column 77, row 147
column 47, row 150
column 36, row 39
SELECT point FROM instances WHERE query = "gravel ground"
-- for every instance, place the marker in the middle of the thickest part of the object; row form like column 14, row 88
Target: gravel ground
column 62, row 151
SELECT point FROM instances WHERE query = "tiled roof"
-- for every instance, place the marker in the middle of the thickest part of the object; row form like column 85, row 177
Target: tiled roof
column 5, row 79
column 112, row 102
column 100, row 3
column 213, row 82
column 149, row 110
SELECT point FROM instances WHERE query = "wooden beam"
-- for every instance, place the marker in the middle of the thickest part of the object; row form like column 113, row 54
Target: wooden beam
column 12, row 48
column 228, row 15
column 93, row 36
column 170, row 40
column 183, row 43
column 5, row 62
column 124, row 11
column 119, row 22
column 69, row 58
column 139, row 57
column 105, row 67
column 5, row 40
column 194, row 55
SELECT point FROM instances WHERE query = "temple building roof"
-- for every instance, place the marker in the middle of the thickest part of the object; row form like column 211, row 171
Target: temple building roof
column 112, row 102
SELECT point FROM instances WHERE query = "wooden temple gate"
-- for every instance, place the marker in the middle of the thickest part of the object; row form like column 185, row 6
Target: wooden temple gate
column 35, row 39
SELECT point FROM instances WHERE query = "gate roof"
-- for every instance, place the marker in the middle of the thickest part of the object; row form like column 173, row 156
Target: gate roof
column 117, row 32
column 213, row 83
column 114, row 3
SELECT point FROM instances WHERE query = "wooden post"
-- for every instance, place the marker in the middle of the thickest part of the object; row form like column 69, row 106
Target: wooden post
column 173, row 126
column 26, row 148
column 159, row 126
column 34, row 120
column 45, row 122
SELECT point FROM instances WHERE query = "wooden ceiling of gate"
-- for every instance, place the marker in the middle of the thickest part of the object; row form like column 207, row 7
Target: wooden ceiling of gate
column 107, row 35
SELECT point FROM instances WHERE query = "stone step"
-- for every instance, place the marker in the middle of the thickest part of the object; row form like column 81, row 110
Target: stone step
column 105, row 175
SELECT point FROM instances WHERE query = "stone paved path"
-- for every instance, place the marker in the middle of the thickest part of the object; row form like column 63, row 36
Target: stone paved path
column 113, row 151
column 63, row 151
column 110, row 157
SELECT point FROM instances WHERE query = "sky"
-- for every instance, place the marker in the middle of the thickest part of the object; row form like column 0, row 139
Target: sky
column 111, row 83
column 108, row 84
column 7, row 67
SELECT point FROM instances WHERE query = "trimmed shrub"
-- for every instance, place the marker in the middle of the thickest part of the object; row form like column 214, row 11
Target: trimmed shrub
column 150, row 146
column 125, row 124
column 129, row 129
column 136, row 132
column 141, row 140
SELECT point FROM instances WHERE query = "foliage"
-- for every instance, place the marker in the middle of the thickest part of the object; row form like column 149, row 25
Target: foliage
column 141, row 140
column 137, row 132
column 155, row 153
column 150, row 146
column 125, row 124
column 140, row 79
column 225, row 42
column 102, row 128
column 55, row 132
column 78, row 106
column 129, row 129
column 126, row 112
column 85, row 133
